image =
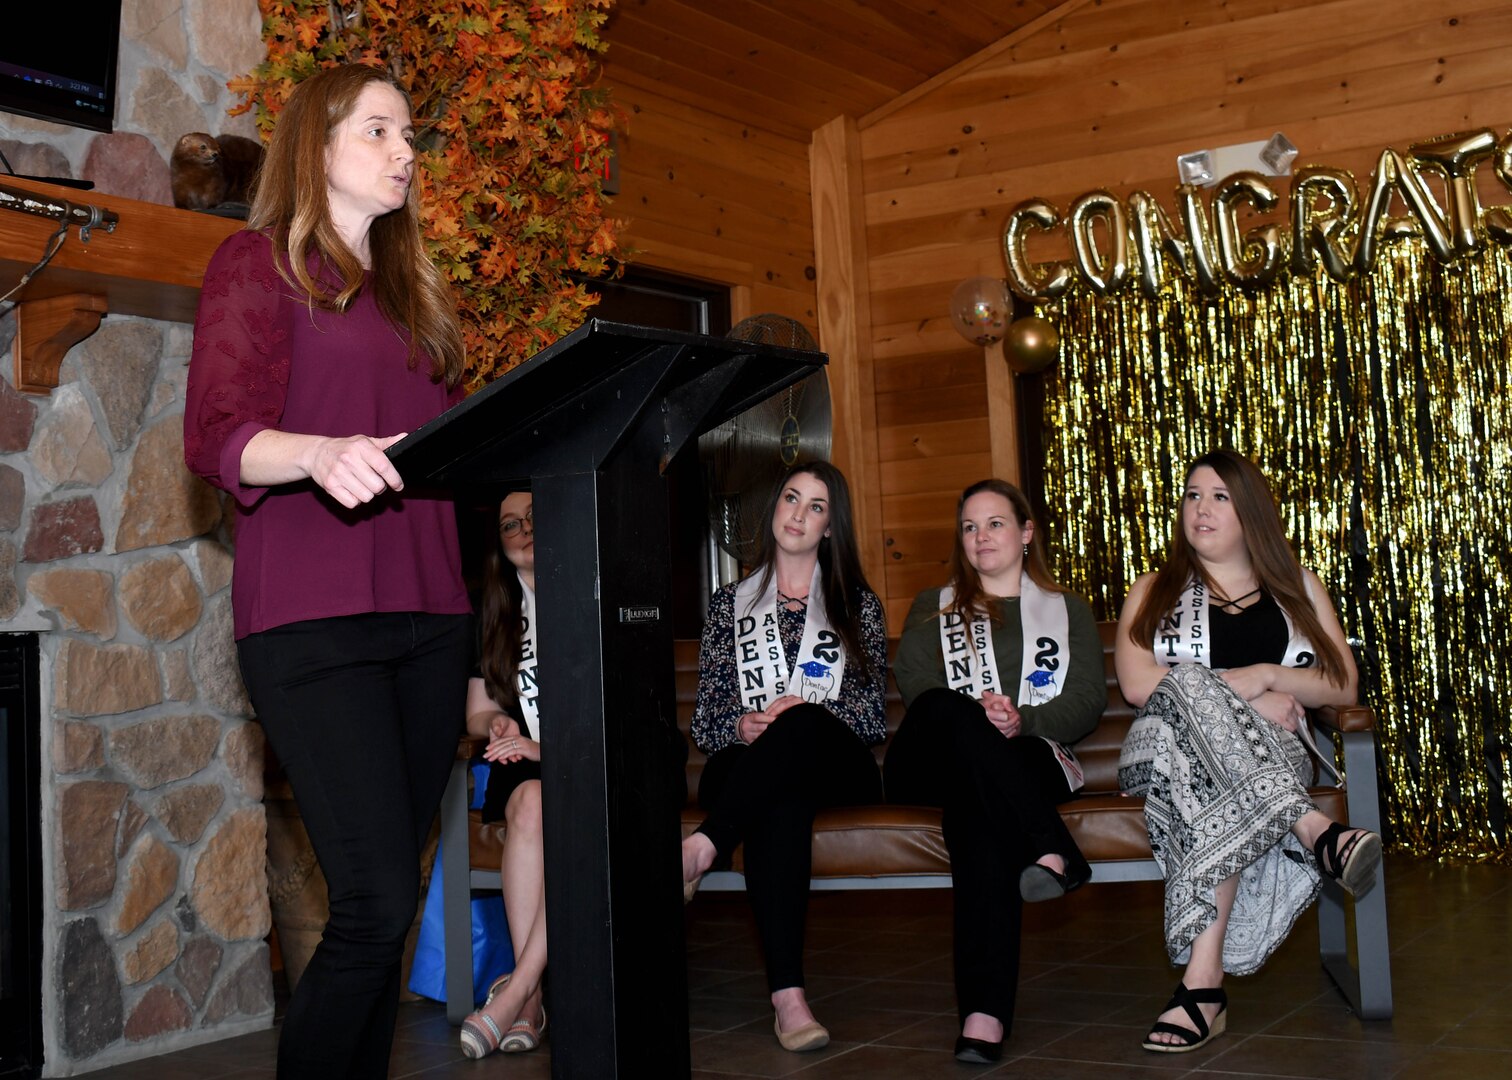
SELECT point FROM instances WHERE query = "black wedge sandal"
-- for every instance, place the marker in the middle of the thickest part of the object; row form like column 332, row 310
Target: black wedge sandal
column 1354, row 864
column 1199, row 1034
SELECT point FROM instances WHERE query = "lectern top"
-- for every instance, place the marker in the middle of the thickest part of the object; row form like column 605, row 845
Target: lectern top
column 575, row 404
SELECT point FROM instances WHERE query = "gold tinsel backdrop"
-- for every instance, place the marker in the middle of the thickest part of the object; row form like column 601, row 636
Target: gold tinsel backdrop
column 1378, row 408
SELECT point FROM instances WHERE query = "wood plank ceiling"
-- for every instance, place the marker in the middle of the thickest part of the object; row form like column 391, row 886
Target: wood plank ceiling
column 791, row 66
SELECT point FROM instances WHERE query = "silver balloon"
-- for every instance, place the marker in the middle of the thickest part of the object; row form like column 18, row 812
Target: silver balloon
column 980, row 309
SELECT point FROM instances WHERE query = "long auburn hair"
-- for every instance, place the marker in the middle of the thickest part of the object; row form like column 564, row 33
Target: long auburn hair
column 970, row 600
column 1275, row 564
column 843, row 581
column 291, row 203
column 501, row 627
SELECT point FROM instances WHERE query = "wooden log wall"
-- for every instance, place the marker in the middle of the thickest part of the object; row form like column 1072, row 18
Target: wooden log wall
column 715, row 199
column 1106, row 95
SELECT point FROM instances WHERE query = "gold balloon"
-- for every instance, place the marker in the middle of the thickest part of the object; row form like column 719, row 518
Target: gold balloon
column 1199, row 232
column 1498, row 219
column 1394, row 174
column 1155, row 240
column 1457, row 157
column 1047, row 281
column 1250, row 260
column 1032, row 344
column 1321, row 234
column 1105, row 275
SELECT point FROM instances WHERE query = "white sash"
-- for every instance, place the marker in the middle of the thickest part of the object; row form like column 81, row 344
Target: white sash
column 1185, row 637
column 527, row 688
column 971, row 665
column 764, row 672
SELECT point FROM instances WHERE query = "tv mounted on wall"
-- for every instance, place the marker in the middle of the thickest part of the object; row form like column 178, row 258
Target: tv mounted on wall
column 67, row 76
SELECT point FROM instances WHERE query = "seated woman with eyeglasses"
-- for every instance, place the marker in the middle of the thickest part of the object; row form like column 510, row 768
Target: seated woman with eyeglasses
column 501, row 707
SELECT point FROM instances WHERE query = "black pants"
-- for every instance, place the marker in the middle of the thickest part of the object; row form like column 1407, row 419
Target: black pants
column 766, row 795
column 364, row 713
column 999, row 797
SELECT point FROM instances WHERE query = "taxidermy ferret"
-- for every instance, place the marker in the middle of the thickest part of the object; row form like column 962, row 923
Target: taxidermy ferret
column 207, row 172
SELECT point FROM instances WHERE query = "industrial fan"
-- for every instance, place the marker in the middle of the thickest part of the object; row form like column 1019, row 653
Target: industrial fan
column 747, row 454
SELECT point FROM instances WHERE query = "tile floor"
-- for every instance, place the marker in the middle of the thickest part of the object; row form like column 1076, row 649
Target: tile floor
column 1094, row 976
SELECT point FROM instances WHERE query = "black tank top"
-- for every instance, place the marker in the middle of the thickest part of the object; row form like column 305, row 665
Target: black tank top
column 1256, row 635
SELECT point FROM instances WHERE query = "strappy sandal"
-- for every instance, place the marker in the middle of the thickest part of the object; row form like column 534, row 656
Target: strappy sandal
column 524, row 1035
column 1354, row 864
column 480, row 1034
column 1199, row 1034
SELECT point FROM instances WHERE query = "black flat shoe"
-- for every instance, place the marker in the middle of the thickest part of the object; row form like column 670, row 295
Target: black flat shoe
column 1038, row 882
column 978, row 1051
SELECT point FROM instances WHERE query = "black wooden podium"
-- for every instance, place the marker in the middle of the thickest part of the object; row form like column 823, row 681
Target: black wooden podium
column 589, row 424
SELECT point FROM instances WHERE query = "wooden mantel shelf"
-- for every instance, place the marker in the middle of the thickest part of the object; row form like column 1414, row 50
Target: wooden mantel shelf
column 150, row 266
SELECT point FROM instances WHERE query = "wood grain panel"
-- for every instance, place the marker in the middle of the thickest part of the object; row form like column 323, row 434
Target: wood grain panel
column 911, row 476
column 931, row 544
column 792, row 66
column 941, row 439
column 954, row 367
column 926, row 406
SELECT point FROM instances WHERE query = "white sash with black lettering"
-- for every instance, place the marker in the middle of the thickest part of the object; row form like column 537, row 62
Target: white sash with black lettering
column 971, row 666
column 1185, row 634
column 1185, row 637
column 526, row 686
column 764, row 672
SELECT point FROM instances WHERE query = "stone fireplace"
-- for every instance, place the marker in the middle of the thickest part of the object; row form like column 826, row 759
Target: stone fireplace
column 155, row 902
column 154, row 905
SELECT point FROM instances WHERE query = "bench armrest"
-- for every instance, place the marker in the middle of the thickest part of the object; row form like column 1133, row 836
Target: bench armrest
column 470, row 746
column 1344, row 717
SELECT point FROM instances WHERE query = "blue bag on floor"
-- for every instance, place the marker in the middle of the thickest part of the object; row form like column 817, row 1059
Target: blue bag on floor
column 492, row 949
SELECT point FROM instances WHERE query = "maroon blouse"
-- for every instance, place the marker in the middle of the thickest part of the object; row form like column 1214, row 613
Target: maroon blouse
column 265, row 359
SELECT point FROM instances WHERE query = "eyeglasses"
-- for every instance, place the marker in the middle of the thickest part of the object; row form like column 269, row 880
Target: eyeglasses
column 511, row 526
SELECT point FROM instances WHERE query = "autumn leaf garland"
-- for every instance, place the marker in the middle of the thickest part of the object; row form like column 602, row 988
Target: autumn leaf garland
column 514, row 134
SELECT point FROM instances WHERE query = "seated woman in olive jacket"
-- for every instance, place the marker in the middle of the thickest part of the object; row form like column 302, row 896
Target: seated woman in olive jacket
column 1001, row 671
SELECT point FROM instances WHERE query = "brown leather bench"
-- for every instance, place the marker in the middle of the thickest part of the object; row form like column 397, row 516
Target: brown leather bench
column 902, row 847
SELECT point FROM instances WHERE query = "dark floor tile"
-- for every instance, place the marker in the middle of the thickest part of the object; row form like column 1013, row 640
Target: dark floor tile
column 709, row 1014
column 1039, row 1068
column 752, row 1054
column 1323, row 1059
column 1439, row 1062
column 1119, row 1046
column 915, row 997
column 886, row 1062
column 1330, row 1017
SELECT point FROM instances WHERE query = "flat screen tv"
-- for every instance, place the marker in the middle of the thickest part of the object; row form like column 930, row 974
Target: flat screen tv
column 67, row 75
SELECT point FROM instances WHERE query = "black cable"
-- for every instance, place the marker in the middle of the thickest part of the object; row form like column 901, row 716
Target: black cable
column 54, row 242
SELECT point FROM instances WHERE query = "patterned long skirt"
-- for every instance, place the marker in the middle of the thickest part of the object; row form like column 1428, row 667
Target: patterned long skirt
column 1223, row 786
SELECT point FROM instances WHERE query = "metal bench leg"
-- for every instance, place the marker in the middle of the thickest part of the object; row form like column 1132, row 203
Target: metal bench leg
column 456, row 896
column 1367, row 984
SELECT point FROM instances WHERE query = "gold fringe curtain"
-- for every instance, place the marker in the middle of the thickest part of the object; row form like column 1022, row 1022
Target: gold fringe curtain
column 1379, row 411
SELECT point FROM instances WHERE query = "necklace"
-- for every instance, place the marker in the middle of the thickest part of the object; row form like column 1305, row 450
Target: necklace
column 784, row 599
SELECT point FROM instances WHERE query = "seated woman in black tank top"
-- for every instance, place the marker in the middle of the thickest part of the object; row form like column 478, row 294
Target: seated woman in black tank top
column 1222, row 651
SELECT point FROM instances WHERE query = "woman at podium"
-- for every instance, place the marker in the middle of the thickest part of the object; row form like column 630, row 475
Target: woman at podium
column 502, row 706
column 323, row 335
column 792, row 669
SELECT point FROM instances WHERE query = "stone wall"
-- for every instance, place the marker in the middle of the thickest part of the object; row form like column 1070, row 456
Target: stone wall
column 155, row 893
